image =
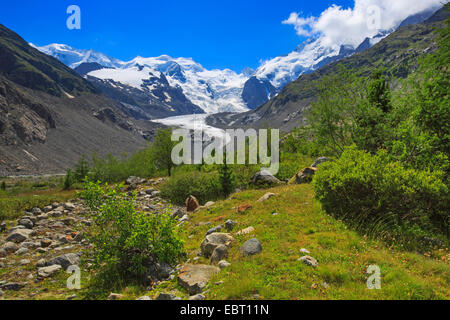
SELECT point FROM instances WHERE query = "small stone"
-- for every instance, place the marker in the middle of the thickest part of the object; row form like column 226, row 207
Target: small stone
column 209, row 204
column 197, row 297
column 46, row 272
column 22, row 251
column 244, row 208
column 214, row 230
column 251, row 247
column 167, row 297
column 24, row 262
column 144, row 298
column 41, row 263
column 45, row 243
column 246, row 231
column 224, row 264
column 115, row 296
column 303, row 250
column 36, row 211
column 10, row 247
column 13, row 286
column 229, row 225
column 309, row 261
column 266, row 197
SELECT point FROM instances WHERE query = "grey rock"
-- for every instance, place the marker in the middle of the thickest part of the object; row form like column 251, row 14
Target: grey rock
column 167, row 297
column 214, row 240
column 13, row 286
column 144, row 298
column 251, row 247
column 22, row 251
column 36, row 211
column 197, row 297
column 10, row 247
column 3, row 227
column 194, row 278
column 214, row 230
column 19, row 235
column 177, row 214
column 24, row 262
column 46, row 272
column 3, row 253
column 219, row 253
column 266, row 197
column 41, row 263
column 229, row 225
column 27, row 223
column 309, row 261
column 66, row 260
column 264, row 177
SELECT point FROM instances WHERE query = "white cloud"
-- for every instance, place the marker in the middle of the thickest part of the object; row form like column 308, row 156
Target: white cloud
column 338, row 25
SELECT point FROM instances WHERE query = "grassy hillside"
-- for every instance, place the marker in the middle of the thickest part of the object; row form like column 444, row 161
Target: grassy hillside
column 343, row 255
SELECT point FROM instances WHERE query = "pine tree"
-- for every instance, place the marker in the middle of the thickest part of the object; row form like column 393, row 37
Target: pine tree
column 226, row 179
column 3, row 187
column 68, row 181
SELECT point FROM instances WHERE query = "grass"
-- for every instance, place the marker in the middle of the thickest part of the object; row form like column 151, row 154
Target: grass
column 26, row 193
column 343, row 254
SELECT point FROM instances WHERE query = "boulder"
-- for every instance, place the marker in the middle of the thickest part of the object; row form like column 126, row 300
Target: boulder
column 19, row 235
column 134, row 180
column 10, row 247
column 65, row 260
column 320, row 161
column 27, row 223
column 251, row 247
column 303, row 176
column 194, row 278
column 264, row 177
column 220, row 253
column 46, row 272
column 213, row 240
column 192, row 204
column 266, row 197
column 209, row 204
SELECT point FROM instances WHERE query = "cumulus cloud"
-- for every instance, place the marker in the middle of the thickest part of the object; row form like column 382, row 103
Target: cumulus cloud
column 350, row 26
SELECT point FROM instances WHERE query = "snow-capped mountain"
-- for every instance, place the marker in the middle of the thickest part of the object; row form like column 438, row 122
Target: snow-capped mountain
column 213, row 91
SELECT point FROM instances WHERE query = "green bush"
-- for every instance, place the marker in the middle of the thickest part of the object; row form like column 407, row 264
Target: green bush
column 379, row 196
column 126, row 242
column 204, row 186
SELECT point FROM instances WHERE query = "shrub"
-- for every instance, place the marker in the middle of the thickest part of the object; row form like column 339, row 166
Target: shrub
column 204, row 186
column 127, row 242
column 3, row 187
column 69, row 179
column 227, row 179
column 376, row 195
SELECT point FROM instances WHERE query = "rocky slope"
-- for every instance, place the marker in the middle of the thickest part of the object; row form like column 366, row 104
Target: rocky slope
column 49, row 115
column 397, row 52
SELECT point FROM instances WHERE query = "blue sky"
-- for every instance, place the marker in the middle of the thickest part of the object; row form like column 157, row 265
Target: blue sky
column 217, row 34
